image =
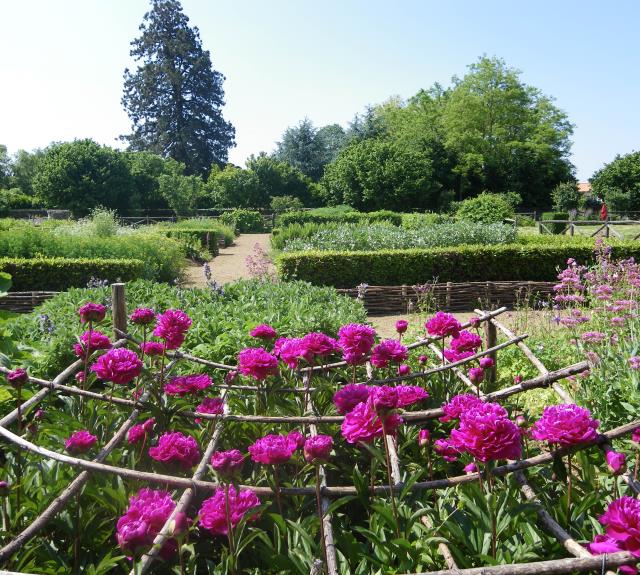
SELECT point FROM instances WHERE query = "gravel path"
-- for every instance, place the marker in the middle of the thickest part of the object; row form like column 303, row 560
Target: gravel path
column 230, row 264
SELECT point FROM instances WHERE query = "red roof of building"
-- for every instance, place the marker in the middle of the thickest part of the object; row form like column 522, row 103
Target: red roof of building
column 584, row 187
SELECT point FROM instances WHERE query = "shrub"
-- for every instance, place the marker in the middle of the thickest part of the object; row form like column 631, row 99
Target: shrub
column 524, row 261
column 486, row 208
column 566, row 197
column 59, row 274
column 361, row 237
column 14, row 199
column 286, row 204
column 243, row 221
column 553, row 228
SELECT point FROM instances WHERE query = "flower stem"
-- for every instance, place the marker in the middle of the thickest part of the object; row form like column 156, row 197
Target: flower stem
column 353, row 376
column 18, row 452
column 227, row 511
column 276, row 479
column 76, row 538
column 492, row 512
column 320, row 514
column 569, row 482
column 635, row 469
column 390, row 477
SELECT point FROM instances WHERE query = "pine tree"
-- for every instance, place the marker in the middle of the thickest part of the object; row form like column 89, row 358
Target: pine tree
column 174, row 98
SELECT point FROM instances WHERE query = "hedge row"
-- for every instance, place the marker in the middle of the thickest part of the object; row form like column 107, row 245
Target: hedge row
column 208, row 239
column 460, row 264
column 310, row 216
column 59, row 274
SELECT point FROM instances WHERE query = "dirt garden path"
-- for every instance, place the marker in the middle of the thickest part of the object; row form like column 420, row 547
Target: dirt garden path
column 230, row 264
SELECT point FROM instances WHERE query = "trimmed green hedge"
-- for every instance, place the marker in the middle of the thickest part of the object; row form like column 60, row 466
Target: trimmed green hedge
column 461, row 264
column 311, row 216
column 59, row 274
column 208, row 239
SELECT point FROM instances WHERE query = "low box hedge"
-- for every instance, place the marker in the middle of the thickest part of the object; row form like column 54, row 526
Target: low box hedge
column 522, row 262
column 208, row 239
column 59, row 274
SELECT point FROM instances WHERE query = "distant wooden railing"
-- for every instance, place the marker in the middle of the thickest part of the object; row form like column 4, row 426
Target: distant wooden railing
column 604, row 228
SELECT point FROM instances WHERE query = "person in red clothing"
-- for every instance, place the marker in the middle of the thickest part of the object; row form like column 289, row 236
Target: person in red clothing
column 604, row 214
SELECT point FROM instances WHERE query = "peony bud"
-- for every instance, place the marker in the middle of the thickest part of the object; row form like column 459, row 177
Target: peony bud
column 423, row 437
column 616, row 462
column 470, row 468
column 422, row 359
column 5, row 488
column 487, row 363
column 317, row 449
column 17, row 377
column 403, row 370
column 517, row 379
column 402, row 325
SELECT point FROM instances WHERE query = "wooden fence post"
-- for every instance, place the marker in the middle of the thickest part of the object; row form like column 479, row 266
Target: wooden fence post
column 118, row 310
column 491, row 340
column 606, row 230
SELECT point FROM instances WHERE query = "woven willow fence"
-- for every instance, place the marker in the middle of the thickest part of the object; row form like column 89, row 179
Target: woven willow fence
column 579, row 560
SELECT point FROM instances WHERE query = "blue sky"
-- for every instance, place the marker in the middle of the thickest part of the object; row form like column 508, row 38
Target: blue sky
column 62, row 62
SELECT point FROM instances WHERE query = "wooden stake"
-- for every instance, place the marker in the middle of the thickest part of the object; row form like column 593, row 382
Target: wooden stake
column 118, row 309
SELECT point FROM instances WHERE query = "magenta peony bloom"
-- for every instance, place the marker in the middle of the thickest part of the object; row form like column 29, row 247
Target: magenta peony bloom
column 142, row 316
column 616, row 462
column 487, row 434
column 92, row 312
column 346, row 398
column 356, row 341
column 459, row 404
column 185, row 384
column 211, row 405
column 383, row 398
column 273, row 449
column 297, row 438
column 317, row 449
column 152, row 348
column 622, row 522
column 175, row 447
column 257, row 362
column 136, row 434
column 565, row 425
column 80, row 441
column 470, row 468
column 476, row 374
column 635, row 436
column 451, row 355
column 443, row 324
column 486, row 363
column 120, row 366
column 410, row 394
column 213, row 516
column 263, row 331
column 403, row 369
column 317, row 344
column 227, row 464
column 466, row 341
column 147, row 513
column 289, row 350
column 445, row 449
column 17, row 377
column 423, row 437
column 98, row 341
column 402, row 325
column 389, row 351
column 172, row 326
column 423, row 359
column 149, row 424
column 363, row 424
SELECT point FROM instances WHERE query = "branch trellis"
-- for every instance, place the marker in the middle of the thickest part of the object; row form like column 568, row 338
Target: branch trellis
column 581, row 559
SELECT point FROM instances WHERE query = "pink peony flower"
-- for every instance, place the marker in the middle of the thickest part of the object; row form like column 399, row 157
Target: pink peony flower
column 459, row 404
column 289, row 350
column 402, row 325
column 213, row 515
column 451, row 355
column 227, row 464
column 403, row 369
column 356, row 341
column 635, row 436
column 443, row 324
column 387, row 351
column 410, row 394
column 297, row 438
column 423, row 437
column 486, row 363
column 317, row 449
column 172, row 326
column 445, row 449
column 470, row 468
column 363, row 424
column 346, row 398
column 466, row 341
column 138, row 527
column 92, row 312
column 487, row 434
column 186, row 384
column 136, row 434
column 257, row 362
column 565, row 425
column 273, row 449
column 80, row 441
column 142, row 316
column 383, row 398
column 476, row 374
column 211, row 405
column 149, row 424
column 175, row 447
column 616, row 462
column 316, row 344
column 622, row 522
column 98, row 341
column 120, row 366
column 263, row 331
column 17, row 377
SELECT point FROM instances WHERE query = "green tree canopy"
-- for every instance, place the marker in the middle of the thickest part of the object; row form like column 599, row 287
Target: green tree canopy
column 82, row 175
column 618, row 183
column 24, row 169
column 175, row 97
column 566, row 197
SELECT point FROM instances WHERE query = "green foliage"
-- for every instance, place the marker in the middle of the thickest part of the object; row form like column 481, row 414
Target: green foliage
column 203, row 225
column 338, row 215
column 58, row 274
column 531, row 261
column 14, row 199
column 566, row 197
column 82, row 175
column 181, row 192
column 243, row 221
column 368, row 237
column 553, row 228
column 618, row 183
column 375, row 174
column 486, row 208
column 418, row 221
column 286, row 204
column 145, row 169
column 174, row 98
column 24, row 168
